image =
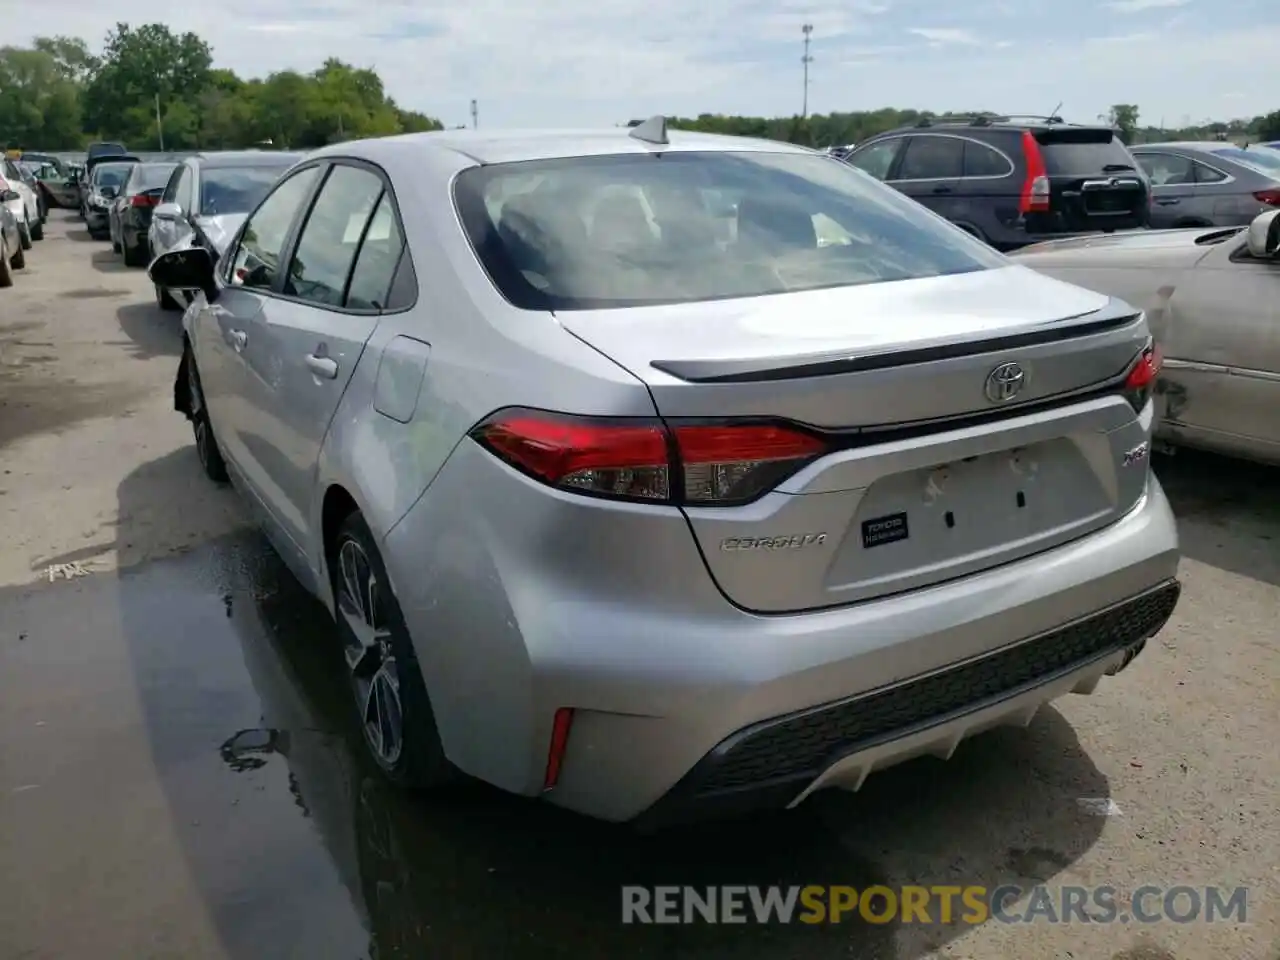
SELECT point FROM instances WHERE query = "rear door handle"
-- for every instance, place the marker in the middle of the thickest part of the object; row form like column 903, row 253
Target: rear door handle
column 942, row 190
column 326, row 367
column 1167, row 203
column 238, row 339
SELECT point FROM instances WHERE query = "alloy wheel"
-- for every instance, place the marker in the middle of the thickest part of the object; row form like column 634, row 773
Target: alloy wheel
column 369, row 654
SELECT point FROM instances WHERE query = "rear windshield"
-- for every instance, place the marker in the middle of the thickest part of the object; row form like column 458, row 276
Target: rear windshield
column 1084, row 153
column 151, row 176
column 111, row 174
column 1262, row 160
column 236, row 189
column 636, row 230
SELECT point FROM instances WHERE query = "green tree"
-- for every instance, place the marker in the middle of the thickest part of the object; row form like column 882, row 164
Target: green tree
column 38, row 103
column 137, row 67
column 1124, row 117
column 1268, row 127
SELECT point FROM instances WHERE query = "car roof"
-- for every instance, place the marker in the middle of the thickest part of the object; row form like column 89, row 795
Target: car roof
column 1197, row 146
column 978, row 124
column 247, row 158
column 511, row 146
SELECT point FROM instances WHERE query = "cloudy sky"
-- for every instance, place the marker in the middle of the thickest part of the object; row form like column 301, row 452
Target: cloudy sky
column 586, row 62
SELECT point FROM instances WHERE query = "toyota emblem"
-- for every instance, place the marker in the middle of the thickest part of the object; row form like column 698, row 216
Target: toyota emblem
column 1005, row 382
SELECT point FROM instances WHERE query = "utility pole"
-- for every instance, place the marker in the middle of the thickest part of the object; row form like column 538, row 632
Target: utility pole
column 807, row 30
column 159, row 124
column 475, row 115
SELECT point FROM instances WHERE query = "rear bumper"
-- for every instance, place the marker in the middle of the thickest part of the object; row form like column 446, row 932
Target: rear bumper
column 517, row 610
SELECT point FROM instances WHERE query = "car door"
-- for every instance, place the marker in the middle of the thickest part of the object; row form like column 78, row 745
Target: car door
column 1173, row 189
column 929, row 171
column 1222, row 354
column 305, row 344
column 221, row 330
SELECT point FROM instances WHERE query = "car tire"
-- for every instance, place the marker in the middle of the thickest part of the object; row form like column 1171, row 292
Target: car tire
column 6, row 274
column 115, row 245
column 24, row 234
column 134, row 256
column 18, row 260
column 37, row 230
column 164, row 299
column 215, row 468
column 388, row 690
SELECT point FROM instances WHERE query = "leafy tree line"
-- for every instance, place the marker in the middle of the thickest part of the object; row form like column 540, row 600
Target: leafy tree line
column 148, row 83
column 58, row 94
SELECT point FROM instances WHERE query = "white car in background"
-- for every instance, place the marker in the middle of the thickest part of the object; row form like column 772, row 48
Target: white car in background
column 22, row 202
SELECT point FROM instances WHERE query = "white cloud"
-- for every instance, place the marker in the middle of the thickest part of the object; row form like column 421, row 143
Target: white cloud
column 944, row 36
column 586, row 62
column 1137, row 6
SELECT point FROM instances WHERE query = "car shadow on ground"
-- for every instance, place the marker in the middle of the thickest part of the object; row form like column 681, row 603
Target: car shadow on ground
column 251, row 731
column 153, row 332
column 80, row 233
column 107, row 260
column 1228, row 511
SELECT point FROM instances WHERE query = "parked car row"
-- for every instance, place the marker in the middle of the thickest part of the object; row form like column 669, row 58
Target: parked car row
column 148, row 206
column 22, row 217
column 1015, row 181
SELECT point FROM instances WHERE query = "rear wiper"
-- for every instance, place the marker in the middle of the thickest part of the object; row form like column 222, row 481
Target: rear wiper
column 1108, row 167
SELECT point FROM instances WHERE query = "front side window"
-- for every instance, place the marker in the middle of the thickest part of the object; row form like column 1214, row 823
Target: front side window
column 1167, row 169
column 331, row 236
column 257, row 260
column 877, row 159
column 636, row 230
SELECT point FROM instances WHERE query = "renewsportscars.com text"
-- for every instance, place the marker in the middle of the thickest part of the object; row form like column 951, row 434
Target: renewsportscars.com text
column 929, row 905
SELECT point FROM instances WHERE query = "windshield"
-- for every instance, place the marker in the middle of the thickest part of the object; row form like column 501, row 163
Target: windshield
column 150, row 176
column 1261, row 160
column 235, row 189
column 110, row 174
column 627, row 230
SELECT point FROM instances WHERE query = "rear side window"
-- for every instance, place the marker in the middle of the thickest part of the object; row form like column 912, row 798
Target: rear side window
column 981, row 160
column 1207, row 174
column 376, row 263
column 635, row 230
column 257, row 261
column 331, row 236
column 1083, row 153
column 932, row 158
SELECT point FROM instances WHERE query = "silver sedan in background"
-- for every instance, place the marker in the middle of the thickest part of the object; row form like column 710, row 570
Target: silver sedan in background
column 1211, row 184
column 659, row 520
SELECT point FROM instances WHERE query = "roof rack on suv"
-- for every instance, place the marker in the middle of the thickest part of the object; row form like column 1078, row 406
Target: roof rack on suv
column 988, row 119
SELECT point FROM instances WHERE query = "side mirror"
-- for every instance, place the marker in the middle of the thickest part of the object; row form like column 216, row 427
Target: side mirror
column 167, row 211
column 1264, row 235
column 192, row 268
column 8, row 195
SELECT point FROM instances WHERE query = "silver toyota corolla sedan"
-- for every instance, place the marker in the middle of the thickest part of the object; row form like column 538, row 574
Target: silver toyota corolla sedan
column 656, row 516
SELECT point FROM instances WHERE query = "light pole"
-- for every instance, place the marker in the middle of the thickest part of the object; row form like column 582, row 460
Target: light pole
column 807, row 30
column 475, row 115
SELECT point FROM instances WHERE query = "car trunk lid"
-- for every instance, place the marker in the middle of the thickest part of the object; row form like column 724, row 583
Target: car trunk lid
column 923, row 476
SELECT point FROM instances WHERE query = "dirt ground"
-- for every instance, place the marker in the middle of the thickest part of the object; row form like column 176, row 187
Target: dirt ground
column 177, row 776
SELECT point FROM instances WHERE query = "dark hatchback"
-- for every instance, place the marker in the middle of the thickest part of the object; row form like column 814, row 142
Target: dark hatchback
column 131, row 212
column 1013, row 181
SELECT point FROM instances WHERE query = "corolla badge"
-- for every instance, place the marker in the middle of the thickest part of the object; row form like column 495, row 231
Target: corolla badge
column 1005, row 382
column 793, row 541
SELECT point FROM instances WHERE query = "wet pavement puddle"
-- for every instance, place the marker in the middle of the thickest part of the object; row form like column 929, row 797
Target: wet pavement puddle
column 177, row 754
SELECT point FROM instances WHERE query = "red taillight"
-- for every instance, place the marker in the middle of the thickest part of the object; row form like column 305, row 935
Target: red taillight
column 142, row 200
column 640, row 459
column 1143, row 375
column 1270, row 197
column 1035, row 190
column 559, row 742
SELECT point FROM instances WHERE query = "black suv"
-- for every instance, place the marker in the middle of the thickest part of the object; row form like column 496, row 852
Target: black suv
column 1013, row 180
